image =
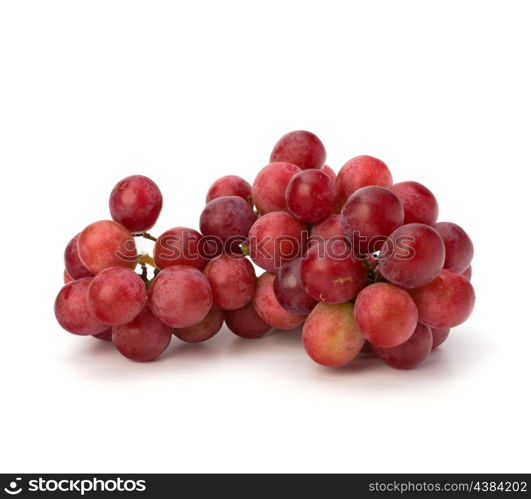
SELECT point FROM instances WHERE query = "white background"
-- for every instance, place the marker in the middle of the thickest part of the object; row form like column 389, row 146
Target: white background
column 185, row 92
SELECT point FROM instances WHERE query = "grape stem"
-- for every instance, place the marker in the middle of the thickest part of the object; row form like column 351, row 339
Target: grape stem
column 146, row 259
column 145, row 235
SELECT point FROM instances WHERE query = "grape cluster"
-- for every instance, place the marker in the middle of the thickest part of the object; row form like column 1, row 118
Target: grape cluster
column 358, row 261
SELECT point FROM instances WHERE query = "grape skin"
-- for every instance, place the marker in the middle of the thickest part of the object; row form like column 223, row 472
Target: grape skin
column 420, row 205
column 116, row 295
column 468, row 272
column 246, row 323
column 179, row 246
column 143, row 339
column 180, row 296
column 204, row 330
column 413, row 264
column 276, row 238
column 330, row 274
column 359, row 172
column 310, row 196
column 73, row 265
column 301, row 148
column 105, row 336
column 439, row 336
column 136, row 203
column 72, row 310
column 409, row 354
column 328, row 228
column 233, row 281
column 331, row 336
column 269, row 187
column 227, row 220
column 106, row 244
column 269, row 309
column 289, row 291
column 386, row 314
column 330, row 172
column 445, row 302
column 230, row 185
column 369, row 215
column 67, row 277
column 458, row 245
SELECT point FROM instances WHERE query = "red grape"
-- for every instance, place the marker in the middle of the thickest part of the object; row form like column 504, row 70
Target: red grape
column 310, row 196
column 276, row 238
column 143, row 339
column 233, row 281
column 330, row 172
column 420, row 205
column 359, row 172
column 331, row 336
column 412, row 256
column 289, row 291
column 67, row 277
column 246, row 323
column 105, row 336
column 227, row 221
column 330, row 274
column 459, row 247
column 328, row 228
column 73, row 264
column 72, row 309
column 180, row 296
column 135, row 202
column 116, row 295
column 445, row 302
column 439, row 336
column 386, row 314
column 230, row 185
column 203, row 330
column 179, row 246
column 269, row 187
column 468, row 272
column 369, row 215
column 410, row 353
column 301, row 148
column 269, row 309
column 106, row 244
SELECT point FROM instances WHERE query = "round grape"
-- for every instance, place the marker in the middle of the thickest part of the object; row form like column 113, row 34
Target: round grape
column 412, row 256
column 386, row 314
column 106, row 244
column 204, row 330
column 330, row 274
column 179, row 246
column 310, row 196
column 300, row 147
column 72, row 309
column 331, row 336
column 410, row 353
column 143, row 339
column 369, row 216
column 445, row 302
column 136, row 202
column 459, row 247
column 269, row 187
column 289, row 291
column 276, row 238
column 116, row 295
column 246, row 323
column 73, row 264
column 230, row 185
column 439, row 336
column 180, row 296
column 269, row 309
column 359, row 172
column 420, row 205
column 233, row 281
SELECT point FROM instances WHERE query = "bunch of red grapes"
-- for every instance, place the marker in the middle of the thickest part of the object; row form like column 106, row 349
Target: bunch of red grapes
column 359, row 262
